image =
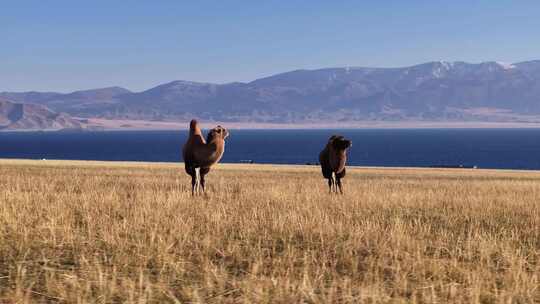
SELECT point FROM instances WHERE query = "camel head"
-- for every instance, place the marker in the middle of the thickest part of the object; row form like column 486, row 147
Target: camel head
column 339, row 143
column 217, row 132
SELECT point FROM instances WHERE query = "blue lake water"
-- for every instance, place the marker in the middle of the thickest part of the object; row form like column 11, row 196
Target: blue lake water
column 484, row 148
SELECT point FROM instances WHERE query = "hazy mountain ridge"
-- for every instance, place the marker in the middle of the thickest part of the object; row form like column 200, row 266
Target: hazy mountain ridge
column 17, row 116
column 433, row 91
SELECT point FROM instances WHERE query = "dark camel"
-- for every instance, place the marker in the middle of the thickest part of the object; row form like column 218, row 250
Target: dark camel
column 199, row 154
column 333, row 158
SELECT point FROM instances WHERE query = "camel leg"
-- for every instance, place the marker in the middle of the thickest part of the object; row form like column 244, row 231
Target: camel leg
column 198, row 180
column 193, row 184
column 202, row 184
column 191, row 171
column 338, row 181
column 203, row 173
column 333, row 184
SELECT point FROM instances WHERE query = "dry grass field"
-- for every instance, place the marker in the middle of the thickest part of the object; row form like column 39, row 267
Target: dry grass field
column 131, row 232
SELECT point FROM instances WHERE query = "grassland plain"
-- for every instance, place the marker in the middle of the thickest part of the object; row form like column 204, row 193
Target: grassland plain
column 131, row 232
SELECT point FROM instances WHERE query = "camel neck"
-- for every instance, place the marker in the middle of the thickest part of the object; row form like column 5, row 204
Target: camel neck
column 218, row 143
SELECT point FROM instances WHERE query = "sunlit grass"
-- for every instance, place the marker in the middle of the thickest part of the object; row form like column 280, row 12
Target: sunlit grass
column 131, row 232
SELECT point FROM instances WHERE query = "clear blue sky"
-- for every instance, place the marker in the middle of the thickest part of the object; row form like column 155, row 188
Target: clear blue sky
column 66, row 45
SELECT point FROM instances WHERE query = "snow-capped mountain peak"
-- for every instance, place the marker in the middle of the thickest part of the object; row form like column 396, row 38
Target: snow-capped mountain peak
column 506, row 66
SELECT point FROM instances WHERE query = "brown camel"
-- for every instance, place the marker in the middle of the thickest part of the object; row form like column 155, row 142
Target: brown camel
column 333, row 158
column 199, row 154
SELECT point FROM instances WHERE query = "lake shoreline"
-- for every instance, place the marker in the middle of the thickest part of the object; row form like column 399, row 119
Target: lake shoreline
column 97, row 125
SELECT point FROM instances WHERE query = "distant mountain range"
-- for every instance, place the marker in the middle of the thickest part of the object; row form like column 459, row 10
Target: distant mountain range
column 434, row 91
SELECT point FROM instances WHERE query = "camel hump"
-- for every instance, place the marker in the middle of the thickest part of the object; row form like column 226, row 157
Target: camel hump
column 193, row 124
column 194, row 128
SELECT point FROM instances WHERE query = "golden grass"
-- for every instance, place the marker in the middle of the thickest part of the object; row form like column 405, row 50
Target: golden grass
column 129, row 232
